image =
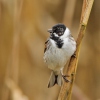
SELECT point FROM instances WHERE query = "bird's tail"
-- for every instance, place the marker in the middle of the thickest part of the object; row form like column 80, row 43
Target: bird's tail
column 55, row 79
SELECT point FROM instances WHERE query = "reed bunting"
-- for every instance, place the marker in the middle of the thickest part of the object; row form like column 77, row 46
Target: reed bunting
column 59, row 47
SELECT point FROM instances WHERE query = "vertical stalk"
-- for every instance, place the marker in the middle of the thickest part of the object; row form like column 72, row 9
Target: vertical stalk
column 72, row 67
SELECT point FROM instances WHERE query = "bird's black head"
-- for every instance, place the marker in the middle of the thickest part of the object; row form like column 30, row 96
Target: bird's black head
column 59, row 29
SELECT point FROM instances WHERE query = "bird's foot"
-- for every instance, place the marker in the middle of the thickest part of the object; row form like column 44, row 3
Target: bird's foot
column 65, row 79
column 73, row 74
column 74, row 55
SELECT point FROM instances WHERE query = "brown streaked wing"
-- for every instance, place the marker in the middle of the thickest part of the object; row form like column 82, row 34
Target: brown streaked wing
column 45, row 48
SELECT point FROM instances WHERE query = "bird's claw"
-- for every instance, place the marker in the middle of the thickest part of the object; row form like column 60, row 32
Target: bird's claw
column 73, row 74
column 65, row 79
column 74, row 55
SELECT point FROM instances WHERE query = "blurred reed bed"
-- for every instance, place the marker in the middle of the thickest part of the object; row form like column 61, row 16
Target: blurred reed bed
column 23, row 31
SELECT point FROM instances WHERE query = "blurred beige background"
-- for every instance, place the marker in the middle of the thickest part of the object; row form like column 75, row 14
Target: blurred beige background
column 23, row 31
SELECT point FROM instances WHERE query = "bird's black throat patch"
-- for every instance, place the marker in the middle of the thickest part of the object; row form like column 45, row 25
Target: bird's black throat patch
column 59, row 43
column 57, row 40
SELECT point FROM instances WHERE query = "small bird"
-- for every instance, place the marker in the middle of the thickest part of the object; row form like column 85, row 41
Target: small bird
column 59, row 47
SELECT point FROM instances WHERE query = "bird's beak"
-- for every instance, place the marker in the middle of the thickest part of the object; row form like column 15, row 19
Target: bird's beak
column 50, row 31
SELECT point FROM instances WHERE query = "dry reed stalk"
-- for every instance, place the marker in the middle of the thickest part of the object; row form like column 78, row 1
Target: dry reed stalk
column 16, row 92
column 5, row 91
column 16, row 39
column 67, row 87
column 13, row 60
column 69, row 12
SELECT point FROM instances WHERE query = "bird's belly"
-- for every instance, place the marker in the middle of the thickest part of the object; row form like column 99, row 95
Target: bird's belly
column 55, row 58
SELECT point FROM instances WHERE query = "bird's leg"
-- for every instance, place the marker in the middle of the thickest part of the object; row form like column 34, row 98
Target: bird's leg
column 74, row 55
column 65, row 77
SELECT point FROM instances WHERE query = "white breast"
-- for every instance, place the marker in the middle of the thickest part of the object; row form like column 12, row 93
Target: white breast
column 55, row 57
